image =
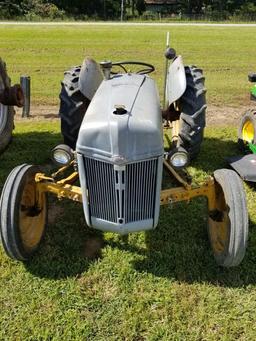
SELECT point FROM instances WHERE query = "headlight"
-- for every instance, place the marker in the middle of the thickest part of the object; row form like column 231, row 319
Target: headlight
column 179, row 158
column 62, row 155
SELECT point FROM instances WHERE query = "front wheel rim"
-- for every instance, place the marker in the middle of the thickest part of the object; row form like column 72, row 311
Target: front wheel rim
column 219, row 224
column 32, row 215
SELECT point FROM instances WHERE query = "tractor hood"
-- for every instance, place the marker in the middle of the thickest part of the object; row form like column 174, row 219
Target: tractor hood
column 123, row 122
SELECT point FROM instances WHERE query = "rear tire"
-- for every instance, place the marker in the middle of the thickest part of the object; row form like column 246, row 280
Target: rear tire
column 192, row 106
column 6, row 125
column 23, row 213
column 73, row 105
column 228, row 224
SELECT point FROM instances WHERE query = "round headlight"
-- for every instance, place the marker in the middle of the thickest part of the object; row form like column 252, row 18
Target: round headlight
column 62, row 155
column 179, row 159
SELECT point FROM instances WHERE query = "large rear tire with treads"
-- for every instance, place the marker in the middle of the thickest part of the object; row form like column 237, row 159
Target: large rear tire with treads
column 192, row 106
column 6, row 125
column 73, row 105
column 6, row 114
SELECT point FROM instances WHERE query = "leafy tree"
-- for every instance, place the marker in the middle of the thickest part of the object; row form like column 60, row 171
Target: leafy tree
column 110, row 9
column 10, row 8
column 140, row 6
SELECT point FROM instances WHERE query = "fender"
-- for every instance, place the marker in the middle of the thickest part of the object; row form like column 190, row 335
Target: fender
column 176, row 81
column 90, row 78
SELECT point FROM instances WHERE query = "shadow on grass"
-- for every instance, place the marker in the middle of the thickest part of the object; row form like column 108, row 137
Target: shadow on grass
column 69, row 247
column 63, row 252
column 213, row 154
column 178, row 249
column 28, row 147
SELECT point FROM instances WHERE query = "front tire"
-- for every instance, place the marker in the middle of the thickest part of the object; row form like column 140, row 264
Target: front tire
column 23, row 213
column 228, row 224
column 192, row 106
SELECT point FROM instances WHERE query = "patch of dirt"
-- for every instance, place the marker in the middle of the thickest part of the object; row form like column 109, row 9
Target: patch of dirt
column 39, row 113
column 224, row 116
column 54, row 212
column 216, row 115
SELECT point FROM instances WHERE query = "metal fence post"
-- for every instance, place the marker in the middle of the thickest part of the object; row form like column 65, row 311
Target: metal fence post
column 25, row 84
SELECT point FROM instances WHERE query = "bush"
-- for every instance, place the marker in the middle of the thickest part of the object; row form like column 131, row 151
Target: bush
column 149, row 15
column 247, row 11
column 8, row 10
column 37, row 9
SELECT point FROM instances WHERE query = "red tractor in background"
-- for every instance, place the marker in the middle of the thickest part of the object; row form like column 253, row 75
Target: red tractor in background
column 9, row 96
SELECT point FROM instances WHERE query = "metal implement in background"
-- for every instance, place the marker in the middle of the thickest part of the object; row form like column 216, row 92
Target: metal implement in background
column 25, row 85
column 9, row 95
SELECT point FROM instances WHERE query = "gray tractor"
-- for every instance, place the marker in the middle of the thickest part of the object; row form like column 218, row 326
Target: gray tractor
column 9, row 96
column 113, row 156
column 184, row 107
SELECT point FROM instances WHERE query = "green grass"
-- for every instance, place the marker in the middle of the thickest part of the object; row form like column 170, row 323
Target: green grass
column 159, row 285
column 225, row 54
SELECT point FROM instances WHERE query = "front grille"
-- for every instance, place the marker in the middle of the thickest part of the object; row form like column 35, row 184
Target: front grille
column 100, row 178
column 140, row 190
column 121, row 194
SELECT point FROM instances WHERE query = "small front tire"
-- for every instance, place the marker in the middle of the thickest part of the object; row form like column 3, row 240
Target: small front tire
column 228, row 223
column 23, row 213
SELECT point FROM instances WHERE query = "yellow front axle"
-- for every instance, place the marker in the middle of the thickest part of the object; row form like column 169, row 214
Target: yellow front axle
column 65, row 189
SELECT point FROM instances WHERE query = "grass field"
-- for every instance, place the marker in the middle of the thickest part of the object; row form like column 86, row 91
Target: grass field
column 159, row 285
column 225, row 54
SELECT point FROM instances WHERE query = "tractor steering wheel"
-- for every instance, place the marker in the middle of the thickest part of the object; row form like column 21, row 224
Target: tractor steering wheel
column 148, row 67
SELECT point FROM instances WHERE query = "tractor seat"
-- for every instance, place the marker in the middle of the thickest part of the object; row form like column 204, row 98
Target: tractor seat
column 252, row 77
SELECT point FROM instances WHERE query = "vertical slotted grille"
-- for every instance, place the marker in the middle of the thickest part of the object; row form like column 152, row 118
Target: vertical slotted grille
column 140, row 190
column 100, row 179
column 121, row 196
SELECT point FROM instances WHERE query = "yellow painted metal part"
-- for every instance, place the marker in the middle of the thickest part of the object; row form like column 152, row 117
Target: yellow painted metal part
column 219, row 223
column 188, row 192
column 62, row 189
column 172, row 171
column 69, row 180
column 248, row 132
column 176, row 194
column 32, row 215
column 62, row 169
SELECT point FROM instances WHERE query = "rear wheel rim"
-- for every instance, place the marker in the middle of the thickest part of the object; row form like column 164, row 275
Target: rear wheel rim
column 32, row 215
column 248, row 132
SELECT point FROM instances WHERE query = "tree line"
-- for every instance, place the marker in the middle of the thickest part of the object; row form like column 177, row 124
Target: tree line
column 111, row 9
